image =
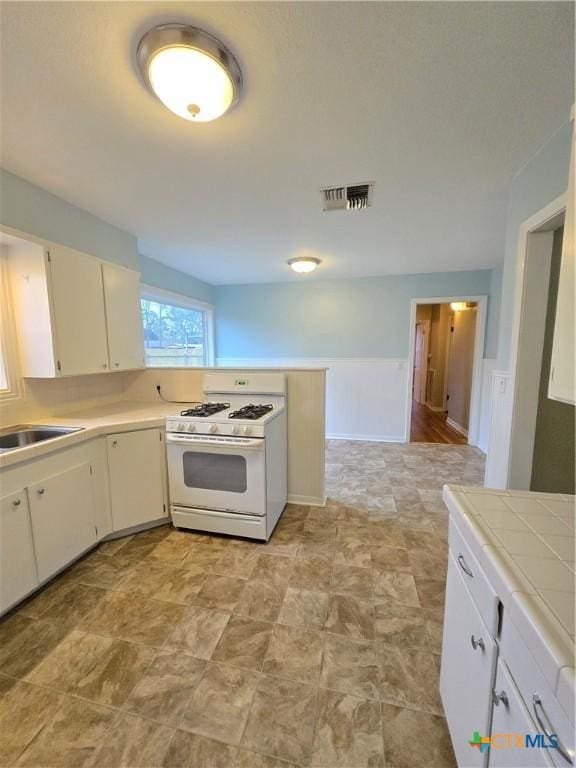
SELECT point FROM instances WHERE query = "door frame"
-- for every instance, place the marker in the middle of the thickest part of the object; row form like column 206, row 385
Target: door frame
column 531, row 288
column 476, row 394
column 425, row 352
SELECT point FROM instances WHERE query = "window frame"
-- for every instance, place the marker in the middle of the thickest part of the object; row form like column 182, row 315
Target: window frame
column 152, row 293
column 8, row 346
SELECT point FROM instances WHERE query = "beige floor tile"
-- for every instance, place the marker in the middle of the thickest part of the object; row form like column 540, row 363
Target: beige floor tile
column 395, row 585
column 123, row 616
column 24, row 711
column 350, row 666
column 26, row 642
column 173, row 549
column 294, row 653
column 180, row 587
column 100, row 571
column 198, row 631
column 112, row 546
column 281, row 721
column 354, row 551
column 348, row 732
column 201, row 557
column 304, row 608
column 243, row 643
column 430, row 749
column 351, row 580
column 431, row 592
column 236, row 562
column 133, row 742
column 390, row 558
column 145, row 579
column 166, row 687
column 188, row 750
column 71, row 737
column 247, row 759
column 270, row 568
column 405, row 626
column 262, row 598
column 311, row 574
column 350, row 615
column 219, row 592
column 70, row 661
column 410, row 677
column 219, row 706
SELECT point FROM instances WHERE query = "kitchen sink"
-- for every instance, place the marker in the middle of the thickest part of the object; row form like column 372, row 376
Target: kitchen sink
column 29, row 434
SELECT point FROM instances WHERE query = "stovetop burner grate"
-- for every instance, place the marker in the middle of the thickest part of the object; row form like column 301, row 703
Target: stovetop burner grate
column 205, row 409
column 251, row 412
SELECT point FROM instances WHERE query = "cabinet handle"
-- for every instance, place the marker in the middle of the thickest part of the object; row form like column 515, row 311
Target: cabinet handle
column 104, row 365
column 117, row 365
column 40, row 491
column 548, row 730
column 114, row 443
column 462, row 563
column 499, row 698
column 17, row 502
column 477, row 643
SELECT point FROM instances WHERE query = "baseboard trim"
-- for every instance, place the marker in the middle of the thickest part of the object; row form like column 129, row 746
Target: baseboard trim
column 367, row 438
column 310, row 501
column 457, row 427
column 435, row 408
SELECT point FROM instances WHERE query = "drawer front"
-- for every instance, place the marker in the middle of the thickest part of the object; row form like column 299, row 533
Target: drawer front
column 467, row 672
column 484, row 595
column 511, row 717
column 539, row 699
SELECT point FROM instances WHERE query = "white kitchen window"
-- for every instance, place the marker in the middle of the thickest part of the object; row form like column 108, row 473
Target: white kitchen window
column 178, row 331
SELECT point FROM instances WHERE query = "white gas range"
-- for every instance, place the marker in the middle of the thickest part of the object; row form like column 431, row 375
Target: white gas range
column 227, row 457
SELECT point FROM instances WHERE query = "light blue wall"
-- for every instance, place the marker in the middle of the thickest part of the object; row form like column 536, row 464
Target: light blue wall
column 361, row 317
column 493, row 319
column 35, row 211
column 155, row 273
column 541, row 180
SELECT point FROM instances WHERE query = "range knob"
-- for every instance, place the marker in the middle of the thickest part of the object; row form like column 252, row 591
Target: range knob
column 236, row 430
column 180, row 428
column 247, row 430
column 191, row 427
column 213, row 428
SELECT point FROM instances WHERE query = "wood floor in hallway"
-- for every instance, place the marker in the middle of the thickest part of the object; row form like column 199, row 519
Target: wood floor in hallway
column 431, row 427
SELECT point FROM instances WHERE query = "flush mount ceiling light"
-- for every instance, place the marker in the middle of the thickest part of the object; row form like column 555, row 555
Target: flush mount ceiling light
column 303, row 264
column 461, row 306
column 191, row 72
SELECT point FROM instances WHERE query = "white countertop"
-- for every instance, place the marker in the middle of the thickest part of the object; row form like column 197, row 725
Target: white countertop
column 115, row 417
column 525, row 543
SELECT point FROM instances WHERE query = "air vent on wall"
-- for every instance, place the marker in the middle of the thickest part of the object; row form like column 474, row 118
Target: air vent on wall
column 352, row 197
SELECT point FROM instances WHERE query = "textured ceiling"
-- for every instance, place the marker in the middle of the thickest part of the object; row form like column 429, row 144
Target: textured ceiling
column 438, row 103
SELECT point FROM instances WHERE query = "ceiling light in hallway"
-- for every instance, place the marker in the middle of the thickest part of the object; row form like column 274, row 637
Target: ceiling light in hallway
column 304, row 264
column 191, row 72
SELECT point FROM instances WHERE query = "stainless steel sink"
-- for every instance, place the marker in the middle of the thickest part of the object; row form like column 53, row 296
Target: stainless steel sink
column 22, row 435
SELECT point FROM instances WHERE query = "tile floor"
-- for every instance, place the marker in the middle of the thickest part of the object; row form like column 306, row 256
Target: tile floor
column 319, row 648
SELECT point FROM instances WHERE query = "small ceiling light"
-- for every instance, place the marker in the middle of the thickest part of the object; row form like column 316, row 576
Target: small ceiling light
column 303, row 264
column 460, row 306
column 191, row 72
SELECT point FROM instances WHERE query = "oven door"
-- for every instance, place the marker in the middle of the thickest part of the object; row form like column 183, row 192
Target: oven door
column 222, row 473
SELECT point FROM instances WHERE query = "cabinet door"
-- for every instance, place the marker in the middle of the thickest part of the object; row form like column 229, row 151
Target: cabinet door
column 561, row 385
column 62, row 513
column 78, row 311
column 467, row 672
column 510, row 716
column 123, row 317
column 18, row 574
column 137, row 477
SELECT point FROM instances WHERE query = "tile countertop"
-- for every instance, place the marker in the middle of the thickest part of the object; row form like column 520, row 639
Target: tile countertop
column 525, row 543
column 115, row 417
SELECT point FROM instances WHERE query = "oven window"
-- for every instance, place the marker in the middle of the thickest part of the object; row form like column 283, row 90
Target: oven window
column 214, row 471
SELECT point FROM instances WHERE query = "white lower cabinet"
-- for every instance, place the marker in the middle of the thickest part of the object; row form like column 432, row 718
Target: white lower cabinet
column 511, row 717
column 469, row 655
column 18, row 574
column 136, row 466
column 62, row 515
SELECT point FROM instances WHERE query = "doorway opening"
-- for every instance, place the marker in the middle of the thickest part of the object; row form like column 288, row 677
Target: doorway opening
column 446, row 359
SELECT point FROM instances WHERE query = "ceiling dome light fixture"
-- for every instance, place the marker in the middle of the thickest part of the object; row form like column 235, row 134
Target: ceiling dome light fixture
column 191, row 72
column 304, row 264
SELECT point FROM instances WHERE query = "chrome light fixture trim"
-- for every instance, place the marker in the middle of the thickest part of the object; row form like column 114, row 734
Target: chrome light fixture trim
column 183, row 35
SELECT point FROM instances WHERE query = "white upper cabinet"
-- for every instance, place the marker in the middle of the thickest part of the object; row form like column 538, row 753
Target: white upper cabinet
column 123, row 320
column 562, row 385
column 78, row 311
column 74, row 313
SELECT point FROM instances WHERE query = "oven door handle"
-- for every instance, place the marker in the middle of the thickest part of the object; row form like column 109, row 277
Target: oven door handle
column 250, row 444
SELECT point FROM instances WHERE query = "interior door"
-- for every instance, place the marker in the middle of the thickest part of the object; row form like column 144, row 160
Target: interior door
column 17, row 563
column 420, row 364
column 461, row 366
column 467, row 672
column 63, row 521
column 78, row 311
column 123, row 318
column 137, row 496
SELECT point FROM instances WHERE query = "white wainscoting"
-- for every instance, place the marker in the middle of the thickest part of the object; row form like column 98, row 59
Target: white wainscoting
column 488, row 365
column 497, row 462
column 365, row 397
